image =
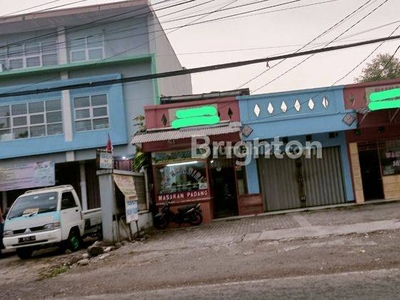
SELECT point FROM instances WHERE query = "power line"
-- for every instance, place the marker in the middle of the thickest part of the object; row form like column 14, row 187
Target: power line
column 388, row 62
column 195, row 70
column 135, row 10
column 334, row 26
column 225, row 9
column 348, row 73
column 125, row 28
column 32, row 7
column 128, row 28
column 82, row 26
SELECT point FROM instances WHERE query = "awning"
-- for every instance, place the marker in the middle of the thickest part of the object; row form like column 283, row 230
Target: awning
column 183, row 133
column 393, row 113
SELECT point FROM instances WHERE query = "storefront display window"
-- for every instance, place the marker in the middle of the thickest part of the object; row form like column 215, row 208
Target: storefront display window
column 390, row 158
column 177, row 177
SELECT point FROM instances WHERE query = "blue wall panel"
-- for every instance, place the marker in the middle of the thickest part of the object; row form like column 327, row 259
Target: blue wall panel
column 81, row 140
column 278, row 117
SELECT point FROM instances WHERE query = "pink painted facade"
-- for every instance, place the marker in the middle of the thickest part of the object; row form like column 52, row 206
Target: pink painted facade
column 228, row 108
column 374, row 147
column 169, row 185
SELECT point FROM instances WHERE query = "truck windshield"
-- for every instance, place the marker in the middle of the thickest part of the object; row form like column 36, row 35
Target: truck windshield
column 34, row 204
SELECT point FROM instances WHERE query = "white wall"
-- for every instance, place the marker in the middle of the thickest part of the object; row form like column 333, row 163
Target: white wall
column 166, row 60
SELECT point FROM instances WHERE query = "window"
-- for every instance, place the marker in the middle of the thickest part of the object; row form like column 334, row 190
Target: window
column 28, row 120
column 91, row 112
column 34, row 204
column 29, row 55
column 390, row 157
column 87, row 48
column 68, row 201
column 180, row 177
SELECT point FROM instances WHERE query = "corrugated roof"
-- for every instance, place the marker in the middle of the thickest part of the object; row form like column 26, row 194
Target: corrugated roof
column 174, row 134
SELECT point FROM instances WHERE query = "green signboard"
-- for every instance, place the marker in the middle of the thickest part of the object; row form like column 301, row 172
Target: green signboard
column 197, row 116
column 385, row 99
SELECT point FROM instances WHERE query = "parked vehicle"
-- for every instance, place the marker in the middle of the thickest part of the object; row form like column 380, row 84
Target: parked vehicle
column 48, row 217
column 186, row 214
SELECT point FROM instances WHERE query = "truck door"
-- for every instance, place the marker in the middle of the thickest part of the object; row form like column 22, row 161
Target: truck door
column 70, row 213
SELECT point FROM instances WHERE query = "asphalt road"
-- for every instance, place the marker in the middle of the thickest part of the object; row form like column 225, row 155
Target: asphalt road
column 353, row 266
column 331, row 254
column 377, row 284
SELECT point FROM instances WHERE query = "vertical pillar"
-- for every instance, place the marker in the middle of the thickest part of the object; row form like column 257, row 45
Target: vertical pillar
column 252, row 177
column 83, row 185
column 356, row 170
column 344, row 153
column 4, row 201
column 108, row 207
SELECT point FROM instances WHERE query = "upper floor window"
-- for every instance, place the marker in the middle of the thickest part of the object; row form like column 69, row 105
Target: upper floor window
column 87, row 48
column 91, row 112
column 29, row 120
column 28, row 55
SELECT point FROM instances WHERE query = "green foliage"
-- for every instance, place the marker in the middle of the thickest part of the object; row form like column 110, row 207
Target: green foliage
column 382, row 67
column 140, row 159
column 52, row 272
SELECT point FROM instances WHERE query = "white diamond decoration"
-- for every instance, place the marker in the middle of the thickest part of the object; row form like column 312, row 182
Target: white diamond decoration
column 257, row 110
column 311, row 104
column 297, row 105
column 270, row 108
column 325, row 102
column 283, row 107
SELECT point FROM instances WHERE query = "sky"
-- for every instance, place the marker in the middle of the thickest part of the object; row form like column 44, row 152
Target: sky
column 237, row 30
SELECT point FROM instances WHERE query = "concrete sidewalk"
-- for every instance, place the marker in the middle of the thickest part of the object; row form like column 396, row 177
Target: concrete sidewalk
column 290, row 225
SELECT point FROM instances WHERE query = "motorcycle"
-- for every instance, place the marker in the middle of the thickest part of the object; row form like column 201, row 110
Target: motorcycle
column 186, row 214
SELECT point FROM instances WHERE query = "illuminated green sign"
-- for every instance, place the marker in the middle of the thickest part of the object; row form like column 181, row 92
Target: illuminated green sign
column 205, row 115
column 384, row 100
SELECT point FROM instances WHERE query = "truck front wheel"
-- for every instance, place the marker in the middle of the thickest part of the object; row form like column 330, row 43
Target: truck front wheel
column 24, row 253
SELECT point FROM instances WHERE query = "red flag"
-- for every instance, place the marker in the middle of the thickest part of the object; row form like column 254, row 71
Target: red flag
column 109, row 146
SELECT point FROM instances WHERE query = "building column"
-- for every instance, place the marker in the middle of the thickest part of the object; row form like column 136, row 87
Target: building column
column 346, row 169
column 108, row 207
column 252, row 179
column 83, row 185
column 356, row 170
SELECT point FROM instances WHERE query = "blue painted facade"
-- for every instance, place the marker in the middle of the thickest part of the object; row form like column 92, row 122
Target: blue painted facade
column 294, row 115
column 81, row 140
column 76, row 46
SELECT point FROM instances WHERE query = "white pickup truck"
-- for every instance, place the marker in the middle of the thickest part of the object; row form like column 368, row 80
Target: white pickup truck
column 48, row 217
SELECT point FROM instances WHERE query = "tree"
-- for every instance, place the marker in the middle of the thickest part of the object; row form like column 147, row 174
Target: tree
column 383, row 66
column 140, row 159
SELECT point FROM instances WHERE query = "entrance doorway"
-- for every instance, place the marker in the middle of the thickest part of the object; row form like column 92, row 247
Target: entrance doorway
column 224, row 188
column 371, row 175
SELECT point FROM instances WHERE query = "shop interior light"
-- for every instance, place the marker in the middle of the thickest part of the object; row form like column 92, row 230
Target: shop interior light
column 183, row 163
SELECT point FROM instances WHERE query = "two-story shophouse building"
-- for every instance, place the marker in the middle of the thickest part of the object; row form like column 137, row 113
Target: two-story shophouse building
column 63, row 92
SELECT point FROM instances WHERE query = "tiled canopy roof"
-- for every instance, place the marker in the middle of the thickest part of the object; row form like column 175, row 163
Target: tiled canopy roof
column 183, row 133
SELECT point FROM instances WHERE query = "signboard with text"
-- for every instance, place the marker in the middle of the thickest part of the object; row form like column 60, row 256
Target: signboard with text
column 127, row 186
column 105, row 160
column 180, row 196
column 27, row 176
column 132, row 212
